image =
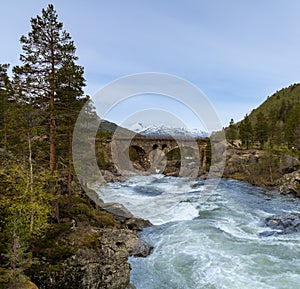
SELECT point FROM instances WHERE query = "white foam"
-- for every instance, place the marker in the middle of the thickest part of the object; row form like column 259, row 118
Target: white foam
column 220, row 249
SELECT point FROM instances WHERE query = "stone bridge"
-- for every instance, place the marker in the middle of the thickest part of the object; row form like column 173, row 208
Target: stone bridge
column 187, row 149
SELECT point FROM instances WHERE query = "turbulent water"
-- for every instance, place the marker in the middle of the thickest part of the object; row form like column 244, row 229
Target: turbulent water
column 212, row 242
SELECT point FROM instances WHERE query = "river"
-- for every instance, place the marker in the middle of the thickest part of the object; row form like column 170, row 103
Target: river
column 210, row 242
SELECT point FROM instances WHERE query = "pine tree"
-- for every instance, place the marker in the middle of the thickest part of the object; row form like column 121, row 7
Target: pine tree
column 261, row 130
column 47, row 50
column 69, row 103
column 231, row 132
column 292, row 127
column 52, row 84
column 5, row 105
column 246, row 132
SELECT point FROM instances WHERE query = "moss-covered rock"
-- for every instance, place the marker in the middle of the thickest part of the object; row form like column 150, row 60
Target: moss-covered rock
column 88, row 249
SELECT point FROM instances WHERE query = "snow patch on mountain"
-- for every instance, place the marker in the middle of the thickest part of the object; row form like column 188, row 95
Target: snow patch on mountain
column 166, row 131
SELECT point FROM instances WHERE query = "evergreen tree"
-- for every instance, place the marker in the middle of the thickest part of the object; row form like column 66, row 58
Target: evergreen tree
column 47, row 51
column 275, row 133
column 292, row 127
column 51, row 83
column 261, row 129
column 69, row 105
column 231, row 132
column 245, row 132
column 25, row 204
column 5, row 105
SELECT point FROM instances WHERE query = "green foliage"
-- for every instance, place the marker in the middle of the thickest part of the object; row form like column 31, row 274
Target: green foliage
column 292, row 127
column 261, row 129
column 38, row 111
column 133, row 154
column 104, row 136
column 231, row 132
column 51, row 84
column 275, row 122
column 245, row 131
column 173, row 154
column 25, row 204
column 266, row 169
column 101, row 159
column 83, row 211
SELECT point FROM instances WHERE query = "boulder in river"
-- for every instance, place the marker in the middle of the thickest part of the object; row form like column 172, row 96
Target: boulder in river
column 285, row 223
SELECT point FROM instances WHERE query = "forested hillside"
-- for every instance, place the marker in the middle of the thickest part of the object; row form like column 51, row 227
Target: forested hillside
column 274, row 124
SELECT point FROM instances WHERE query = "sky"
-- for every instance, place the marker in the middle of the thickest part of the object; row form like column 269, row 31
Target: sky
column 236, row 52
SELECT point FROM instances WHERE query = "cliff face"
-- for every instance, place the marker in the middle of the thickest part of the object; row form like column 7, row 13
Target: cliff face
column 264, row 169
column 103, row 265
column 89, row 249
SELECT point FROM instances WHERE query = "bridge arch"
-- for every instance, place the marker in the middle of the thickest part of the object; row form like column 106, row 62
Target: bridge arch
column 136, row 153
column 184, row 153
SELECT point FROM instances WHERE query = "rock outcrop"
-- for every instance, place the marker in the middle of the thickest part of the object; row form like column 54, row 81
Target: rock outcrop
column 263, row 168
column 90, row 250
column 286, row 223
column 290, row 183
column 103, row 265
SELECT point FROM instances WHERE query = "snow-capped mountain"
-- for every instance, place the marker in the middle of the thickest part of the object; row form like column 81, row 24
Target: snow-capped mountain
column 165, row 131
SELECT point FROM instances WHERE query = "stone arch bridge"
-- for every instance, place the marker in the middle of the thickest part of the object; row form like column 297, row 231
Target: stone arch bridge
column 144, row 146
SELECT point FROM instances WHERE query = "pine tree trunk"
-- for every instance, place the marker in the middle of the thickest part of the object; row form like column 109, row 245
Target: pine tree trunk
column 70, row 175
column 51, row 108
column 30, row 178
column 52, row 143
column 55, row 205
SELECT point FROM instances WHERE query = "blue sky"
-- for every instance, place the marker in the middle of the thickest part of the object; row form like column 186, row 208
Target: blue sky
column 236, row 52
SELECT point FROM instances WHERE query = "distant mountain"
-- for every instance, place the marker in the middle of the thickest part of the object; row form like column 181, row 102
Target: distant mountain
column 108, row 126
column 165, row 131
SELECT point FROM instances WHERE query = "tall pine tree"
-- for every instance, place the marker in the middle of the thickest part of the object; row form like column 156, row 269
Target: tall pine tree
column 52, row 83
column 245, row 132
column 5, row 105
column 261, row 130
column 48, row 53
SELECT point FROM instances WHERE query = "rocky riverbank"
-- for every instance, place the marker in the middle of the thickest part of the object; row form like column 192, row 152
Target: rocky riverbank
column 263, row 168
column 258, row 167
column 89, row 249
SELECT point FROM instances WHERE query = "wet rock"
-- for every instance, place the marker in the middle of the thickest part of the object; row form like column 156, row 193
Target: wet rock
column 269, row 233
column 133, row 244
column 112, row 176
column 125, row 217
column 137, row 224
column 283, row 224
column 116, row 210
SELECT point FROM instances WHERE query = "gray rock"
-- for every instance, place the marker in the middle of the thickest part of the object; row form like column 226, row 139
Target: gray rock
column 289, row 164
column 269, row 233
column 103, row 266
column 284, row 224
column 290, row 183
column 116, row 209
column 137, row 224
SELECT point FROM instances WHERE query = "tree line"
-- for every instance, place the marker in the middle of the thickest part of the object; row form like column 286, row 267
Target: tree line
column 278, row 128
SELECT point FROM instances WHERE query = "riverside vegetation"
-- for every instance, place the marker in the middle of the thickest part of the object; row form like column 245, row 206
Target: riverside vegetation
column 50, row 231
column 264, row 148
